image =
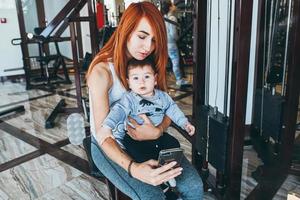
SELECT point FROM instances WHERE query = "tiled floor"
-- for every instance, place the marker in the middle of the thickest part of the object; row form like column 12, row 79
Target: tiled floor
column 39, row 163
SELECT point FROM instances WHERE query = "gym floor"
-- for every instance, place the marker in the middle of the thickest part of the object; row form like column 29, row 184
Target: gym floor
column 39, row 163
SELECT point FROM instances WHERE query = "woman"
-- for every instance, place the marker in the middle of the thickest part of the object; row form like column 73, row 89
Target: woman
column 168, row 10
column 141, row 33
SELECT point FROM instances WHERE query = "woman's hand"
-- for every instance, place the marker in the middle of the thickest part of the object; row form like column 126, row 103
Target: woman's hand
column 149, row 172
column 146, row 131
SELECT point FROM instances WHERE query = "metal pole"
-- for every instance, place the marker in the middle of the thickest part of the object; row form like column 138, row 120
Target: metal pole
column 207, row 65
column 227, row 58
column 286, row 48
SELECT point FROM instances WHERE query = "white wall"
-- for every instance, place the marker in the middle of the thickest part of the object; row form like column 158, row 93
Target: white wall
column 10, row 56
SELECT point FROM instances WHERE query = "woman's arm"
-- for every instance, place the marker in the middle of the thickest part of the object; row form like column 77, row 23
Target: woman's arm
column 99, row 82
column 164, row 124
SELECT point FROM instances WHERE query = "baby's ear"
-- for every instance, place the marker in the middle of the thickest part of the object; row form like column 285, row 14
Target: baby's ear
column 155, row 78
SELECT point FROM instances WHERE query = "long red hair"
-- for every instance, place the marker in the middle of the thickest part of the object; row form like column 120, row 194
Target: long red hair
column 116, row 48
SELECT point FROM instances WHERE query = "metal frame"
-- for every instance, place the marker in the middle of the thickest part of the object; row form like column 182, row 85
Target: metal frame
column 238, row 99
column 281, row 167
column 68, row 16
column 24, row 47
column 242, row 31
column 200, row 21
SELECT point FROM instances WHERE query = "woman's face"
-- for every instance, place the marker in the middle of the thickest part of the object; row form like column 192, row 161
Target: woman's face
column 141, row 42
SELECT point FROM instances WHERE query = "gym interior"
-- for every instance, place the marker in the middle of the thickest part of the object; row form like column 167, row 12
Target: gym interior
column 240, row 57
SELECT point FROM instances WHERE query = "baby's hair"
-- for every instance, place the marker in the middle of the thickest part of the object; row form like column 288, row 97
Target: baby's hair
column 134, row 63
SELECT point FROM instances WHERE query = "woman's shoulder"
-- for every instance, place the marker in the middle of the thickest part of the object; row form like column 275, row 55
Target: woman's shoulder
column 100, row 74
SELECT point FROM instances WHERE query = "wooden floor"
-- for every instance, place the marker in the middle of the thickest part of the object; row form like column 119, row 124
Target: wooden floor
column 39, row 163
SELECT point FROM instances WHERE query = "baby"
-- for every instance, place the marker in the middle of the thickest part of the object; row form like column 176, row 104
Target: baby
column 143, row 98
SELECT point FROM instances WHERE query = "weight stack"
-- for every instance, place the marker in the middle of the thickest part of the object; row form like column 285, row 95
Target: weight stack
column 269, row 108
column 218, row 141
column 213, row 129
column 201, row 125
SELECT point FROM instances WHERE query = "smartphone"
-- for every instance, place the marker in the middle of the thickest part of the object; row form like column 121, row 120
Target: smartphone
column 168, row 155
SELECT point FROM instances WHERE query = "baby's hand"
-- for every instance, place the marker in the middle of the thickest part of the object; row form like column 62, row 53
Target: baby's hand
column 190, row 128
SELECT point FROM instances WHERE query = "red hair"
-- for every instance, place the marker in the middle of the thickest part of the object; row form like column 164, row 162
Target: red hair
column 116, row 46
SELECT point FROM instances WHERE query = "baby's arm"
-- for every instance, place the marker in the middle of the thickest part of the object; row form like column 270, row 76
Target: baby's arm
column 117, row 114
column 177, row 116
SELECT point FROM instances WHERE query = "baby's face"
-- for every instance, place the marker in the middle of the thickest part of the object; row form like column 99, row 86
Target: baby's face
column 142, row 80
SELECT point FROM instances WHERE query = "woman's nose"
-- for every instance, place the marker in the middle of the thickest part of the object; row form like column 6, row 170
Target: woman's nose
column 147, row 45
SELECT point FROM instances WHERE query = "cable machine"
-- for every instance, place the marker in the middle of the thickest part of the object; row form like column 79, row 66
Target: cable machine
column 67, row 17
column 271, row 85
column 220, row 136
column 277, row 91
column 220, row 80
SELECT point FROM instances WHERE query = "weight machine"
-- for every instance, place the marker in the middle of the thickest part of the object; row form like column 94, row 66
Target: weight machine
column 67, row 17
column 220, row 138
column 270, row 91
column 220, row 135
column 46, row 76
column 277, row 89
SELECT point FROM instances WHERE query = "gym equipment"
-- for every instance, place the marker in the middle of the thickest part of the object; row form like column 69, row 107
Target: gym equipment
column 44, row 58
column 75, row 127
column 270, row 93
column 12, row 110
column 70, row 17
column 212, row 137
column 47, row 75
column 220, row 140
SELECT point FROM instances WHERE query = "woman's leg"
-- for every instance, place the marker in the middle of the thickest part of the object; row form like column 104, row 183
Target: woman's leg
column 174, row 56
column 189, row 183
column 132, row 187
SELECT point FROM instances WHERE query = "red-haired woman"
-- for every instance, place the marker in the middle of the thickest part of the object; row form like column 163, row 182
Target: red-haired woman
column 141, row 33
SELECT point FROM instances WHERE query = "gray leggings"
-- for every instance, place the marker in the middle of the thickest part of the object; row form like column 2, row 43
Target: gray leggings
column 189, row 183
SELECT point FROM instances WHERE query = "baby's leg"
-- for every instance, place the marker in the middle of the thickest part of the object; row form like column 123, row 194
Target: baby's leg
column 141, row 151
column 167, row 141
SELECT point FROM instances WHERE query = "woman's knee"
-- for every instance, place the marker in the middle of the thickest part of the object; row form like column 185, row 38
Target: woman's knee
column 196, row 186
column 192, row 189
column 190, row 183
